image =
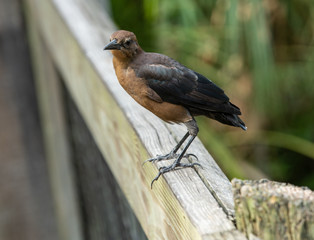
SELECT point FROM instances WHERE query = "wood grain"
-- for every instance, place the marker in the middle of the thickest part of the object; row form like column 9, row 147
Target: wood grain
column 184, row 204
column 106, row 213
column 55, row 136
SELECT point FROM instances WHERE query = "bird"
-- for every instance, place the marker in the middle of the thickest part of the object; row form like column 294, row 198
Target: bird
column 171, row 91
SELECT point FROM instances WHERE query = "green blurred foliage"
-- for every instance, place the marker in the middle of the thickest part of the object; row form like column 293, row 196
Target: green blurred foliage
column 262, row 54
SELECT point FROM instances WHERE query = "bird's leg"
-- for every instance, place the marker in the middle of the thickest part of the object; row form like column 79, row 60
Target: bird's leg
column 192, row 130
column 177, row 163
column 170, row 155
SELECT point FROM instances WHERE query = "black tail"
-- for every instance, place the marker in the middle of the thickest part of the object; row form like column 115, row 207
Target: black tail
column 229, row 119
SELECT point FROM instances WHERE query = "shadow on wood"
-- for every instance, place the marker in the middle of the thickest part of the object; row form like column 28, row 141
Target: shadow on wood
column 105, row 211
column 26, row 206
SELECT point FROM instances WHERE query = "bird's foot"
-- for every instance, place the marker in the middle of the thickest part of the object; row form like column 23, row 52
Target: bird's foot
column 168, row 156
column 172, row 167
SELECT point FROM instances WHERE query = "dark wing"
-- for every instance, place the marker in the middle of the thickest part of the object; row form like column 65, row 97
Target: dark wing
column 177, row 84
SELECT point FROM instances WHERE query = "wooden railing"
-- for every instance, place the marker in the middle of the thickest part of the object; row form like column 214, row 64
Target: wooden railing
column 67, row 38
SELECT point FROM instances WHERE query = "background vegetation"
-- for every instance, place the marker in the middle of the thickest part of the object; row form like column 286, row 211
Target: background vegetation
column 261, row 53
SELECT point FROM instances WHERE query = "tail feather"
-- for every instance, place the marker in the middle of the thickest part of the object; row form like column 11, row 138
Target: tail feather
column 229, row 119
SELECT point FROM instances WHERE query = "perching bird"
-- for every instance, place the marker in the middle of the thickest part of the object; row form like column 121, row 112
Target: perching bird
column 170, row 90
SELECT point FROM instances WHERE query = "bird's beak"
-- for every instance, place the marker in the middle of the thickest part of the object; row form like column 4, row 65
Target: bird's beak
column 113, row 45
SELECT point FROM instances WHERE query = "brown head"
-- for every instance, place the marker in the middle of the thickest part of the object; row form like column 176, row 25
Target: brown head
column 123, row 45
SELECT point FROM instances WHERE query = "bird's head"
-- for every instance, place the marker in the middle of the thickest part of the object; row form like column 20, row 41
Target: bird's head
column 123, row 44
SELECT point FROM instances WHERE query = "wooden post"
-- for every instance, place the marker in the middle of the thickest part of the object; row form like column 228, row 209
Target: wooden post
column 273, row 210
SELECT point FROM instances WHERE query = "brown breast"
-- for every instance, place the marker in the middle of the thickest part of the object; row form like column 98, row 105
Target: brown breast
column 138, row 89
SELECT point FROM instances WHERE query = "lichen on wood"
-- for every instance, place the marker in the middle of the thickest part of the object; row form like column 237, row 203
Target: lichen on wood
column 273, row 210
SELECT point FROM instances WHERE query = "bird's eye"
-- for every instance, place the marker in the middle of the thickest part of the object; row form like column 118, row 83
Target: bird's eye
column 127, row 43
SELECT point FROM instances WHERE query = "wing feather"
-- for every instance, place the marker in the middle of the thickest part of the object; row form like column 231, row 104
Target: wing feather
column 177, row 84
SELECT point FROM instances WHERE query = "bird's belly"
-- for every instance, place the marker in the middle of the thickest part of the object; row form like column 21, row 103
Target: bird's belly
column 166, row 111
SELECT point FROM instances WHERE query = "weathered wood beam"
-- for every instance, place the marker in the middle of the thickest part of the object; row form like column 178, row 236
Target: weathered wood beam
column 106, row 213
column 51, row 106
column 273, row 210
column 184, row 204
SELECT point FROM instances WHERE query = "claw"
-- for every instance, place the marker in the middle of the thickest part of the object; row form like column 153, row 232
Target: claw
column 155, row 179
column 158, row 158
column 190, row 155
column 172, row 167
column 149, row 160
column 183, row 165
column 168, row 157
column 178, row 157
